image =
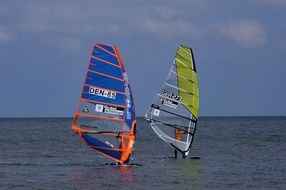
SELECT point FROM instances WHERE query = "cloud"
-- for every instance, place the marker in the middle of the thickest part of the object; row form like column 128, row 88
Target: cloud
column 67, row 43
column 166, row 12
column 49, row 18
column 5, row 36
column 102, row 19
column 170, row 29
column 70, row 19
column 247, row 33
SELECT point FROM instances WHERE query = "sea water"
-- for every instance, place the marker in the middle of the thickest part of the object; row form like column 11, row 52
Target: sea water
column 235, row 153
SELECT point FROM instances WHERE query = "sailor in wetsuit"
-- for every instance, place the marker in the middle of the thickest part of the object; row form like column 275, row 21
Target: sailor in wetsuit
column 119, row 135
column 179, row 136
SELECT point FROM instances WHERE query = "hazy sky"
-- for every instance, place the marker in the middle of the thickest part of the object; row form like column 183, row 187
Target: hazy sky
column 239, row 47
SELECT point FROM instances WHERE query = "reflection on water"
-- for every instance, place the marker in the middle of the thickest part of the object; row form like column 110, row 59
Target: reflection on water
column 192, row 169
column 108, row 175
column 127, row 173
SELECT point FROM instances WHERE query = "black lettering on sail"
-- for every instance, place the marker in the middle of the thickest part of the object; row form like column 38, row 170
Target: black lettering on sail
column 91, row 90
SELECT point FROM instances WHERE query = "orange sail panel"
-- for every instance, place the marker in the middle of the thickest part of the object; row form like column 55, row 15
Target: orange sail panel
column 105, row 118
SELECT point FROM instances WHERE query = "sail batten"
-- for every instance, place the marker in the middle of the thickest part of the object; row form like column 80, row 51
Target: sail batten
column 105, row 103
column 105, row 75
column 105, row 118
column 106, row 48
column 172, row 126
column 180, row 89
column 104, row 61
column 183, row 77
column 174, row 112
column 182, row 64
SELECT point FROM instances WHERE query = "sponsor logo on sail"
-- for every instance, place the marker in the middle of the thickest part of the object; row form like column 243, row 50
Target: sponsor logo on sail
column 172, row 96
column 128, row 97
column 85, row 110
column 169, row 103
column 99, row 108
column 113, row 110
column 156, row 112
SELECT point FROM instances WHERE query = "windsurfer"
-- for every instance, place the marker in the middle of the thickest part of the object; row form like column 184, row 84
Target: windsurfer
column 179, row 136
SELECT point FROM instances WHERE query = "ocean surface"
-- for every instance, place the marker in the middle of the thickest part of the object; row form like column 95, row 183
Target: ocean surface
column 236, row 153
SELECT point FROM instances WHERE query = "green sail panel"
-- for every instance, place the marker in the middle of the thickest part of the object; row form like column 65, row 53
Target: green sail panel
column 187, row 79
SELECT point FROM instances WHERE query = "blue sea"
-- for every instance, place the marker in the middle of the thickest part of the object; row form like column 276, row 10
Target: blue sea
column 235, row 153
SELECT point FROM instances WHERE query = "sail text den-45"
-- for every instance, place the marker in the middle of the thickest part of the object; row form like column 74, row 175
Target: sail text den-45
column 105, row 118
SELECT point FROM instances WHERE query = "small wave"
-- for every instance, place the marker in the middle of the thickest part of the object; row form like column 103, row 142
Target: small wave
column 18, row 164
column 123, row 165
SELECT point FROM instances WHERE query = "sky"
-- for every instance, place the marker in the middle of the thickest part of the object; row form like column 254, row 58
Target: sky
column 239, row 49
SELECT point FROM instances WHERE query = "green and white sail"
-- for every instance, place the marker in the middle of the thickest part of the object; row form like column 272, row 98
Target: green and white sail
column 176, row 105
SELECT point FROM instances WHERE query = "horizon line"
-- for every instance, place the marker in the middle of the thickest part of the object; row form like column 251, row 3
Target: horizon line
column 220, row 116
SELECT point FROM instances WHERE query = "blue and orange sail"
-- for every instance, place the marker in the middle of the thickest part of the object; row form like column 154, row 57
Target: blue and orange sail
column 105, row 118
